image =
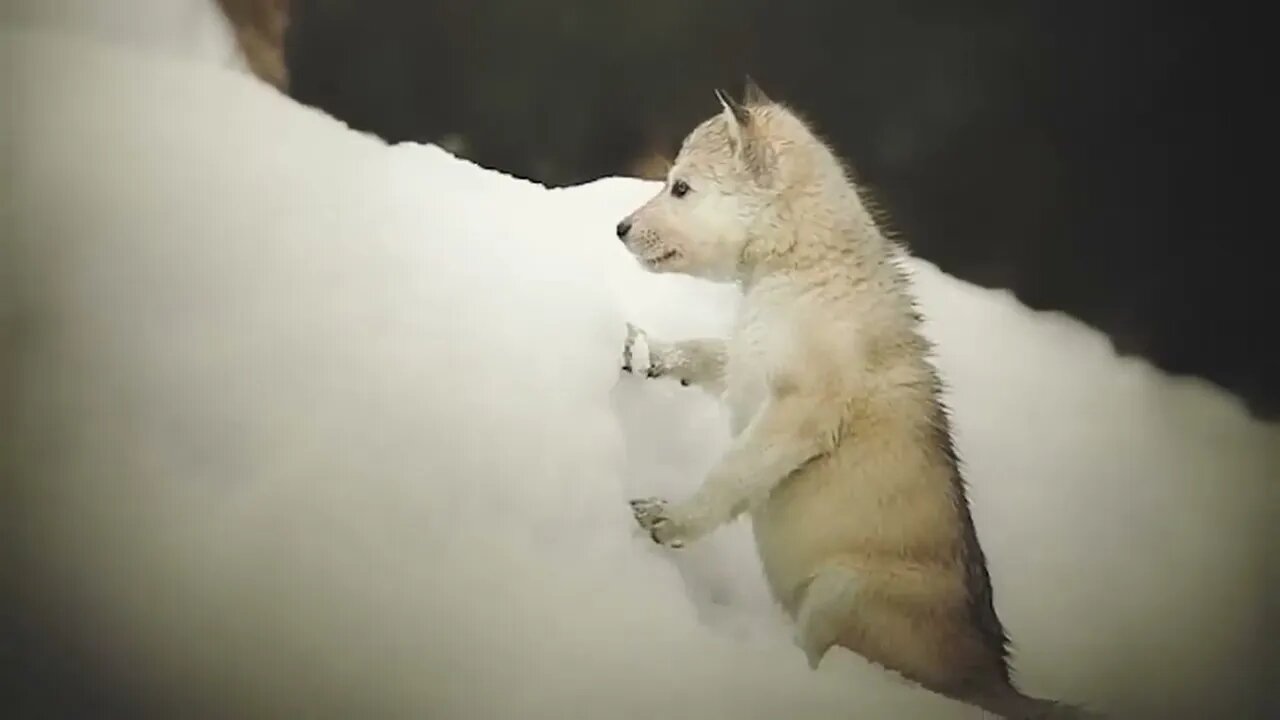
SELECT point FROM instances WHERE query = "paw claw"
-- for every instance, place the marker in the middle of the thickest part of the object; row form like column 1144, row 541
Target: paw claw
column 676, row 544
column 649, row 510
column 628, row 348
column 651, row 515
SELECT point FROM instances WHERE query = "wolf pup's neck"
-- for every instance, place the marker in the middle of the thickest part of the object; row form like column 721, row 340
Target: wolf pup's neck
column 820, row 233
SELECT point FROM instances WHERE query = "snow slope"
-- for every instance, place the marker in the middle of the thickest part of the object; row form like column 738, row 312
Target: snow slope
column 188, row 29
column 302, row 424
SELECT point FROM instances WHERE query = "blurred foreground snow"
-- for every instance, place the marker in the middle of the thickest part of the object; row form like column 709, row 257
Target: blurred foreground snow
column 305, row 425
column 187, row 29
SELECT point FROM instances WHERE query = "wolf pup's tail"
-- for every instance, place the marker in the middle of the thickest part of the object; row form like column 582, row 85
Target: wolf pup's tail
column 1008, row 702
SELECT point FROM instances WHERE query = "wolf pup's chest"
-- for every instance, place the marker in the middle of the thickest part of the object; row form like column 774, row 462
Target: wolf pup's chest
column 757, row 348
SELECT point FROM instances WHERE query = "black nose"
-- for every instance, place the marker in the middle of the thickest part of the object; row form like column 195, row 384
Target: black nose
column 624, row 227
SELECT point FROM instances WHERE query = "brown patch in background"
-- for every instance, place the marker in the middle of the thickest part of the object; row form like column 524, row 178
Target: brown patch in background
column 260, row 27
column 650, row 164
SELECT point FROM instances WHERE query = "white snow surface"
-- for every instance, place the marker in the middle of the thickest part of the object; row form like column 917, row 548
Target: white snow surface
column 188, row 29
column 303, row 424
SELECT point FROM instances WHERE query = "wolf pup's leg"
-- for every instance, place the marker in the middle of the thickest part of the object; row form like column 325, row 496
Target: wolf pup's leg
column 693, row 362
column 786, row 433
column 824, row 611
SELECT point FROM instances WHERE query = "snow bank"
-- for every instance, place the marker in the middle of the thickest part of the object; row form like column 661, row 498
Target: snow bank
column 307, row 425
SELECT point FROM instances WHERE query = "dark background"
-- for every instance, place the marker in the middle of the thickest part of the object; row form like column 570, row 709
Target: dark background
column 1089, row 156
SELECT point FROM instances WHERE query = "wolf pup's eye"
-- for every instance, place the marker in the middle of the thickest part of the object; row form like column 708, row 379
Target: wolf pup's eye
column 679, row 188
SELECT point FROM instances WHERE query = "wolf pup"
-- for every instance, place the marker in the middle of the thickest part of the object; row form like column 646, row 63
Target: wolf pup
column 841, row 452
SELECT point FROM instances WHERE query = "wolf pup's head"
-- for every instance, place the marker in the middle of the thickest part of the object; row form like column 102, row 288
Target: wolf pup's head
column 729, row 186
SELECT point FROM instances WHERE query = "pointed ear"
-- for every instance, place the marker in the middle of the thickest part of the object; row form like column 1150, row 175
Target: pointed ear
column 744, row 136
column 736, row 119
column 752, row 94
column 734, row 111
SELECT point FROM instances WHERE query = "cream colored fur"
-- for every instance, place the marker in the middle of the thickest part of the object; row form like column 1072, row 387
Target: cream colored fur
column 841, row 453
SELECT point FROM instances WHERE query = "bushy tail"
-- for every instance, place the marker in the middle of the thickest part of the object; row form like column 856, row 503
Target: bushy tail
column 1008, row 703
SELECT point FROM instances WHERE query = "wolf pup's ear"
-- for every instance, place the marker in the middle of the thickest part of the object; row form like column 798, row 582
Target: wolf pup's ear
column 752, row 94
column 736, row 119
column 734, row 111
column 744, row 137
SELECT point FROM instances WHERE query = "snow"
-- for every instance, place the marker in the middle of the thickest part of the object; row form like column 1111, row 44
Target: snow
column 303, row 424
column 188, row 29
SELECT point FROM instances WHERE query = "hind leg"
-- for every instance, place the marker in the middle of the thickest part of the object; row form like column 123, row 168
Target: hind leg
column 909, row 618
column 825, row 610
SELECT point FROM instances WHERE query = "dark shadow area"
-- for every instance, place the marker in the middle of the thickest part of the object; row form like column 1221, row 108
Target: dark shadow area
column 1087, row 156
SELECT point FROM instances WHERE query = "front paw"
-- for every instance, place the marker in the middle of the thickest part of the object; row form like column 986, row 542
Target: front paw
column 635, row 351
column 642, row 356
column 654, row 516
